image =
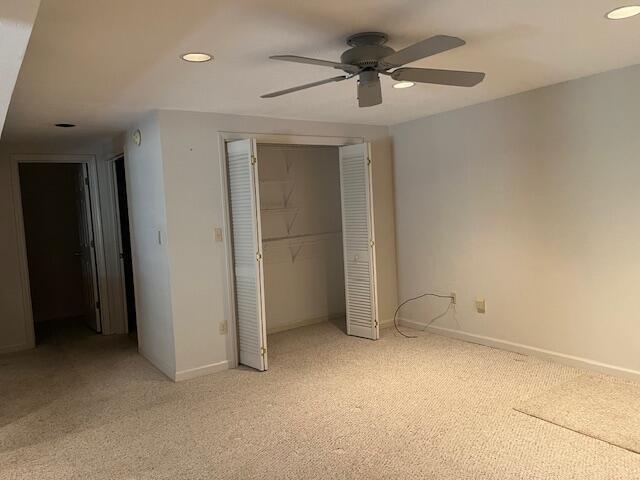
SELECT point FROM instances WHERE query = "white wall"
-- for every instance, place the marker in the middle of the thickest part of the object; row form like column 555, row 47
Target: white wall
column 304, row 283
column 175, row 186
column 149, row 247
column 16, row 22
column 194, row 206
column 531, row 202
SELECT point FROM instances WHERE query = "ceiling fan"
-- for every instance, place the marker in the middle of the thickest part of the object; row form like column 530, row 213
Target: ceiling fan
column 369, row 57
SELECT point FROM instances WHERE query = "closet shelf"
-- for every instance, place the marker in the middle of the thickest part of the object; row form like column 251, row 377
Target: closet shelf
column 280, row 210
column 308, row 237
column 276, row 182
column 295, row 243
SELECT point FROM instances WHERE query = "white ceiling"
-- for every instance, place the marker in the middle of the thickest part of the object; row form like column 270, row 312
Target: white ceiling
column 103, row 64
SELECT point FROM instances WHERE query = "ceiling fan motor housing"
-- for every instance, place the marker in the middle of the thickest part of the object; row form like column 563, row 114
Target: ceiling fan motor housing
column 366, row 56
column 367, row 49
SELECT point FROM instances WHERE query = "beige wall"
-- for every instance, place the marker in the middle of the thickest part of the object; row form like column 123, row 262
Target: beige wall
column 530, row 202
column 194, row 206
column 304, row 282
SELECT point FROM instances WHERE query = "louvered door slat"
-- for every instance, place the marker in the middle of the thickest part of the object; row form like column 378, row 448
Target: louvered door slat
column 358, row 236
column 247, row 243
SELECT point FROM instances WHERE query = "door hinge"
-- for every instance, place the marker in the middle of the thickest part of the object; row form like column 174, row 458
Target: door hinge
column 253, row 159
column 98, row 305
column 86, row 181
column 263, row 351
column 375, row 323
column 371, row 243
column 258, row 256
column 368, row 161
column 93, row 244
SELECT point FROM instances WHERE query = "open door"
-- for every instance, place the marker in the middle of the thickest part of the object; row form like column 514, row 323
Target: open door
column 358, row 241
column 87, row 253
column 244, row 197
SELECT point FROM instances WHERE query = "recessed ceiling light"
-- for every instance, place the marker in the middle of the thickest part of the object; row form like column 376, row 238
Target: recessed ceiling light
column 65, row 125
column 624, row 12
column 196, row 57
column 403, row 85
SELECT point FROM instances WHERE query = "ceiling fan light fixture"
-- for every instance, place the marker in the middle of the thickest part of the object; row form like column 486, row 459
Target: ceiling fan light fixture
column 403, row 84
column 621, row 13
column 196, row 57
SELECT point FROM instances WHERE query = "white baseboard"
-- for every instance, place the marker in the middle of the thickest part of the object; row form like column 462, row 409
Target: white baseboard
column 386, row 323
column 156, row 362
column 16, row 348
column 304, row 323
column 562, row 358
column 200, row 371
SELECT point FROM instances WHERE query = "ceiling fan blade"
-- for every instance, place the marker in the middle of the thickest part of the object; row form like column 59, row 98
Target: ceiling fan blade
column 369, row 92
column 454, row 78
column 425, row 48
column 303, row 87
column 314, row 61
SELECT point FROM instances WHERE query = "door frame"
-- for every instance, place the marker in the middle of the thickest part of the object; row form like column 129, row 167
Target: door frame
column 260, row 138
column 117, row 232
column 102, row 284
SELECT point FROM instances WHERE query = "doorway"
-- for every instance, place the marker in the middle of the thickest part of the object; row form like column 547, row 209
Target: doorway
column 58, row 219
column 124, row 243
column 256, row 239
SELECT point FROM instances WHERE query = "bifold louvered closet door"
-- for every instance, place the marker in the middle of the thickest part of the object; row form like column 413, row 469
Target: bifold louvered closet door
column 244, row 198
column 358, row 239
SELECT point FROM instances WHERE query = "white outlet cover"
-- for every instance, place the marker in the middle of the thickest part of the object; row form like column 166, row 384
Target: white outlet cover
column 223, row 328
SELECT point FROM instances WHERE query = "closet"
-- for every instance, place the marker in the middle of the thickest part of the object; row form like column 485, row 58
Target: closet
column 302, row 240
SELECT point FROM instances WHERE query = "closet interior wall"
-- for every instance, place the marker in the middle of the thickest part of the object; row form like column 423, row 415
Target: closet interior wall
column 302, row 235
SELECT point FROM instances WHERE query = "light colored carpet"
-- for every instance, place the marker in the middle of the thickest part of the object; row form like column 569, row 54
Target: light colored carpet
column 330, row 407
column 602, row 407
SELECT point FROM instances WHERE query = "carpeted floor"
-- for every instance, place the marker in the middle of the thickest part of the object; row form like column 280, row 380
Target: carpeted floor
column 330, row 407
column 600, row 406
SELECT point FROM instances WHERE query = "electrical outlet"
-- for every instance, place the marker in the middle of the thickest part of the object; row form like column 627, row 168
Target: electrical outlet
column 223, row 328
column 454, row 297
column 217, row 234
column 481, row 305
